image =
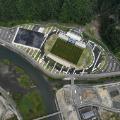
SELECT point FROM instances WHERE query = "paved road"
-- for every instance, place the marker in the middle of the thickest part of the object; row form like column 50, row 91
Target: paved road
column 47, row 116
column 92, row 76
column 10, row 102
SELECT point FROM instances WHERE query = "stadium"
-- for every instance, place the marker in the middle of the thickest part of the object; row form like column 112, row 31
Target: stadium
column 58, row 51
column 69, row 50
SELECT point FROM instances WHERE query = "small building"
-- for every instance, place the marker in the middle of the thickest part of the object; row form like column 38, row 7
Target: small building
column 78, row 39
column 74, row 36
column 41, row 29
column 88, row 115
column 63, row 36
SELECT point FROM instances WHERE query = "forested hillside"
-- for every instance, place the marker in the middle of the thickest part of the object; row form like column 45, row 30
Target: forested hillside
column 109, row 11
column 67, row 11
column 79, row 11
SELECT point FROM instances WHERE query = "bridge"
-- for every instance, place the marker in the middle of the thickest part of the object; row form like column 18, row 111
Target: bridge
column 50, row 115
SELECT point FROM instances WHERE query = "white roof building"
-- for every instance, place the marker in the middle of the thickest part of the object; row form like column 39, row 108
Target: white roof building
column 41, row 29
column 79, row 42
column 74, row 36
column 63, row 36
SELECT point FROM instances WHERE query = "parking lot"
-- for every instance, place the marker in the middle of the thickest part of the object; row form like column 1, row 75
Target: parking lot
column 113, row 64
column 29, row 38
column 7, row 34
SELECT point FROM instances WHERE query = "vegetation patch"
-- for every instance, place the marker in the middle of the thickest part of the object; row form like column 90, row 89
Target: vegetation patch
column 67, row 51
column 22, row 11
column 50, row 43
column 30, row 105
column 26, row 95
column 5, row 61
column 19, row 70
column 24, row 81
column 86, row 59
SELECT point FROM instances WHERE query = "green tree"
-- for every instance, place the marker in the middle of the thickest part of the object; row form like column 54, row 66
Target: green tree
column 110, row 23
column 79, row 11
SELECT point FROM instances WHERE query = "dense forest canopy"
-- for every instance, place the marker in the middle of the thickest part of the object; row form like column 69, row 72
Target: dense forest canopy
column 79, row 11
column 109, row 11
column 68, row 11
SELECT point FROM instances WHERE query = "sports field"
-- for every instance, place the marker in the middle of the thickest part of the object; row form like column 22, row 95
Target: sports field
column 66, row 51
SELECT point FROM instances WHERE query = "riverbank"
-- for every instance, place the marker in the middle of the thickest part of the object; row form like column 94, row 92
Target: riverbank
column 42, row 84
column 22, row 89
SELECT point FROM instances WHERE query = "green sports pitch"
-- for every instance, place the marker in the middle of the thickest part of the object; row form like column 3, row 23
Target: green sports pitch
column 67, row 51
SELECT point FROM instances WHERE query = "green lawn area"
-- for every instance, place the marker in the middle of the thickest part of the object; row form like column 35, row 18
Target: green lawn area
column 50, row 43
column 86, row 59
column 30, row 105
column 67, row 51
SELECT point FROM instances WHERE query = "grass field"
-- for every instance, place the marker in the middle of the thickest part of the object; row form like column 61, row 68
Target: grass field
column 30, row 105
column 86, row 59
column 50, row 43
column 67, row 51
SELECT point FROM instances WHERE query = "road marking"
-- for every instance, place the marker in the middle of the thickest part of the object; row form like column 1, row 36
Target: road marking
column 46, row 37
column 54, row 67
column 61, row 69
column 29, row 51
column 96, row 61
column 36, row 54
column 47, row 64
column 47, row 116
column 15, row 35
column 68, row 70
column 82, row 72
column 38, row 58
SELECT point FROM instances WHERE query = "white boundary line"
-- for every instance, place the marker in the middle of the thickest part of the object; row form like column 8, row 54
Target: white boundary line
column 15, row 35
column 36, row 54
column 54, row 67
column 26, row 46
column 61, row 69
column 47, row 64
column 96, row 61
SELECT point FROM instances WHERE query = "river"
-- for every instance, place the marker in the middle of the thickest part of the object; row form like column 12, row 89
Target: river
column 41, row 81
